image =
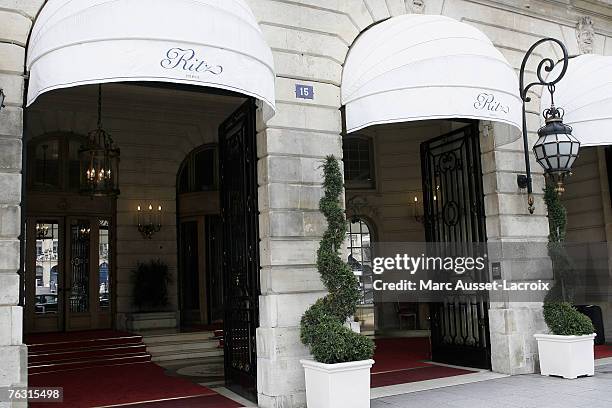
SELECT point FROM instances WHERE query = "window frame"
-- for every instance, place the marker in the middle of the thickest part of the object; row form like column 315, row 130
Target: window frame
column 371, row 232
column 189, row 161
column 355, row 184
column 63, row 139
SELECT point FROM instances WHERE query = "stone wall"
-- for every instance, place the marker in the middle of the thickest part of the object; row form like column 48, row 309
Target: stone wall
column 15, row 22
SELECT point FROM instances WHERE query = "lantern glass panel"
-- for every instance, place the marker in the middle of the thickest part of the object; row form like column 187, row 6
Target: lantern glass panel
column 550, row 149
column 565, row 148
column 539, row 151
column 554, row 162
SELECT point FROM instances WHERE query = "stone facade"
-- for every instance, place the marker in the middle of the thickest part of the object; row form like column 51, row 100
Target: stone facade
column 310, row 40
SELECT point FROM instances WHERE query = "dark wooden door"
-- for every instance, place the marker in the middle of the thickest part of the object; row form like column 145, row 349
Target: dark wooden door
column 189, row 272
column 239, row 212
column 455, row 222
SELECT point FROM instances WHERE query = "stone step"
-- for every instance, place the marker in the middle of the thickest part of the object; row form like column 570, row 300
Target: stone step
column 187, row 354
column 177, row 337
column 173, row 364
column 178, row 346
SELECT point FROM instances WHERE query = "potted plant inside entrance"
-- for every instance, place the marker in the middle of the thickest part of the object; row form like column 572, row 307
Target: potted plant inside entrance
column 339, row 375
column 150, row 298
column 568, row 350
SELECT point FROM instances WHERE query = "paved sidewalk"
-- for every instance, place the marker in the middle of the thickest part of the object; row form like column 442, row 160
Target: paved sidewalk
column 524, row 391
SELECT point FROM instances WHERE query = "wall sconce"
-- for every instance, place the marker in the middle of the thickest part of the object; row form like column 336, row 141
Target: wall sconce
column 417, row 211
column 2, row 97
column 149, row 223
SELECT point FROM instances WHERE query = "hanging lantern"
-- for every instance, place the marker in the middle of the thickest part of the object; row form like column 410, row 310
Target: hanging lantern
column 99, row 161
column 556, row 148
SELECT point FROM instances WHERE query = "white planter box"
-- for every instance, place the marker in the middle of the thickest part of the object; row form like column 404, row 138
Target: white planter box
column 342, row 385
column 566, row 356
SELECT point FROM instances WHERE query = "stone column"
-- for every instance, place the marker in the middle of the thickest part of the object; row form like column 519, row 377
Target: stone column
column 509, row 224
column 15, row 22
column 291, row 150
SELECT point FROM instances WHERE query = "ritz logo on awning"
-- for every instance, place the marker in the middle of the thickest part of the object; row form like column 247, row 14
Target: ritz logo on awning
column 187, row 60
column 487, row 101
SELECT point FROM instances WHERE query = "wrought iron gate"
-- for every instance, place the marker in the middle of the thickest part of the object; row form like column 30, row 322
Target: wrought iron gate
column 454, row 213
column 239, row 211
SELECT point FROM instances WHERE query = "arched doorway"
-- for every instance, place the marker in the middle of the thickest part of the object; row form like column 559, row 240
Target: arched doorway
column 200, row 239
column 412, row 101
column 213, row 73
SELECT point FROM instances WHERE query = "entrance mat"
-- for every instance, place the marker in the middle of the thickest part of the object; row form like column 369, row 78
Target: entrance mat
column 428, row 372
column 603, row 351
column 400, row 353
column 118, row 384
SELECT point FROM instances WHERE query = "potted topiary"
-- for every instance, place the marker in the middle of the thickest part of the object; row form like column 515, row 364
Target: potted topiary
column 339, row 375
column 568, row 351
column 150, row 298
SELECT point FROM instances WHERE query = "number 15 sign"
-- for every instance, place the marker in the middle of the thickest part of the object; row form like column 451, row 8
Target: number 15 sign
column 304, row 91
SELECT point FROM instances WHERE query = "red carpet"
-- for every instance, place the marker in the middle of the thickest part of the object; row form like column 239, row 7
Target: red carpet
column 404, row 360
column 102, row 368
column 603, row 351
column 120, row 384
column 209, row 401
column 401, row 353
column 428, row 372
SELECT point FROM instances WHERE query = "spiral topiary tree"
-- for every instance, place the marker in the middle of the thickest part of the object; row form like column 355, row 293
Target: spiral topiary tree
column 323, row 326
column 560, row 315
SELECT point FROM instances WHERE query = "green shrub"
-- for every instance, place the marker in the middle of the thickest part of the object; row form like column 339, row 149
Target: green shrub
column 150, row 285
column 559, row 314
column 564, row 320
column 323, row 325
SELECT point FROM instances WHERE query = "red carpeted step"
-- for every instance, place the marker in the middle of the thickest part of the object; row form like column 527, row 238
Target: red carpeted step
column 86, row 353
column 81, row 364
column 46, row 343
column 54, row 352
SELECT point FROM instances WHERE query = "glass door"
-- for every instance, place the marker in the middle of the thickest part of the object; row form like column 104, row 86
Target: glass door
column 88, row 277
column 44, row 275
column 68, row 274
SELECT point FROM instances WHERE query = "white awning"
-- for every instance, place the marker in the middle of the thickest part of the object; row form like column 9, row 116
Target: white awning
column 213, row 43
column 585, row 93
column 418, row 67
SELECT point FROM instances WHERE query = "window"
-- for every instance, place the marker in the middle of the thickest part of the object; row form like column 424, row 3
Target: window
column 358, row 162
column 199, row 171
column 359, row 258
column 53, row 161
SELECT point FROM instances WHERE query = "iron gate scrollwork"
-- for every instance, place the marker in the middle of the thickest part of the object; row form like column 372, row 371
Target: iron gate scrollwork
column 454, row 222
column 240, row 217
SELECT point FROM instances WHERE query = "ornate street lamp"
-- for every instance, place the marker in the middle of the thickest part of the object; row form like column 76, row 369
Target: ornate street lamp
column 556, row 148
column 99, row 161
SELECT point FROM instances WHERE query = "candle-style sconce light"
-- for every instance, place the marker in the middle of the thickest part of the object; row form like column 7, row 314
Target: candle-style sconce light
column 149, row 221
column 417, row 210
